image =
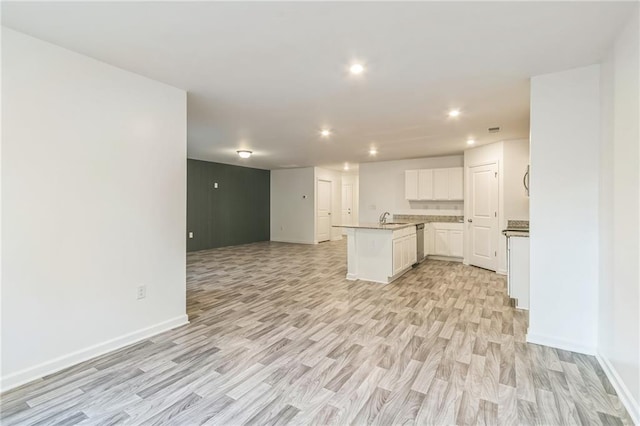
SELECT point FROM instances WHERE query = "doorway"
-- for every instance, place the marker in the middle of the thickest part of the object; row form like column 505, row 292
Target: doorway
column 323, row 219
column 347, row 204
column 483, row 216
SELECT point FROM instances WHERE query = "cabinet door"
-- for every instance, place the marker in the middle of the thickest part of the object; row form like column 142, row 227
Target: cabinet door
column 405, row 252
column 411, row 184
column 455, row 243
column 441, row 240
column 428, row 238
column 456, row 186
column 398, row 250
column 425, row 184
column 412, row 249
column 441, row 184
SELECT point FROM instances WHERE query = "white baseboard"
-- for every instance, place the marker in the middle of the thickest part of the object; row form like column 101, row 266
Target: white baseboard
column 284, row 240
column 49, row 367
column 501, row 272
column 443, row 258
column 560, row 344
column 632, row 406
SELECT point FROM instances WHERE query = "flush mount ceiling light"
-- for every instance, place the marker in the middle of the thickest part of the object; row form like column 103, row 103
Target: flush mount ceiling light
column 346, row 167
column 470, row 141
column 373, row 151
column 325, row 133
column 243, row 153
column 356, row 69
column 454, row 113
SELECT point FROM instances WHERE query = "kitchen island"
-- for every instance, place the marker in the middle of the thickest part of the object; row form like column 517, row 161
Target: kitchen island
column 380, row 252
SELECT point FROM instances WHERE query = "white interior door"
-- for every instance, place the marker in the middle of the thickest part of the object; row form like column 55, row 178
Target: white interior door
column 347, row 204
column 323, row 231
column 483, row 216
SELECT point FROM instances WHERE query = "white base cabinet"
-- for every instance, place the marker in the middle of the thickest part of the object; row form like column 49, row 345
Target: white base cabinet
column 443, row 239
column 518, row 275
column 405, row 252
column 380, row 255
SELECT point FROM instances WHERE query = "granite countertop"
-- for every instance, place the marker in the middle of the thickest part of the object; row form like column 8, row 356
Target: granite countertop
column 516, row 228
column 387, row 226
column 515, row 232
column 427, row 218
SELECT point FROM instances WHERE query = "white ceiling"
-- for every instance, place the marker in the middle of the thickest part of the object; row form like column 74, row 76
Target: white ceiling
column 268, row 76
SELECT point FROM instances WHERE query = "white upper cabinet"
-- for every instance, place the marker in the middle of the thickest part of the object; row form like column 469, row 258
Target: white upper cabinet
column 441, row 184
column 434, row 184
column 456, row 185
column 411, row 184
column 425, row 184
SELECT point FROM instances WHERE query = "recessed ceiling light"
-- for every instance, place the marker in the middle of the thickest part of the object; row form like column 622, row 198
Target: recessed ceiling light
column 454, row 113
column 325, row 133
column 470, row 141
column 356, row 69
column 243, row 153
column 373, row 151
column 346, row 167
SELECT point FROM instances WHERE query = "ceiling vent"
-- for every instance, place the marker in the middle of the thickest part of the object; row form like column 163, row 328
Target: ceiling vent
column 494, row 129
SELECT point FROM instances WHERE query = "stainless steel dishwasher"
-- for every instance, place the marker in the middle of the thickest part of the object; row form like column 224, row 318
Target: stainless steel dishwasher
column 420, row 242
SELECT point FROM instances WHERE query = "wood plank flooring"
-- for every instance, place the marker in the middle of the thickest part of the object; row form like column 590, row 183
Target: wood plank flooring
column 278, row 336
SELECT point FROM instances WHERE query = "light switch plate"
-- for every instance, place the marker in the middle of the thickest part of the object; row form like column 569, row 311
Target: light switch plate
column 142, row 292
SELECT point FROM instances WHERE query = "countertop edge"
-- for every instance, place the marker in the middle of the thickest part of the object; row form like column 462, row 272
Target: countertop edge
column 391, row 227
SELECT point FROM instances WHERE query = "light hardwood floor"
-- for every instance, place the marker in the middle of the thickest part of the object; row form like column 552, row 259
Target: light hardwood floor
column 278, row 336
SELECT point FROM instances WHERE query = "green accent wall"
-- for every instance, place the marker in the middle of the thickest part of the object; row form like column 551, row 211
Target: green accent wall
column 235, row 213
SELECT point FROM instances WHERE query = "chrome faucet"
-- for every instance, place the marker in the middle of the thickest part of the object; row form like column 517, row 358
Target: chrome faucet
column 383, row 218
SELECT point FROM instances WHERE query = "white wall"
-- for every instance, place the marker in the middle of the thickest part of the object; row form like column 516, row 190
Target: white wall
column 292, row 205
column 336, row 199
column 619, row 321
column 516, row 160
column 94, row 175
column 565, row 138
column 491, row 153
column 382, row 188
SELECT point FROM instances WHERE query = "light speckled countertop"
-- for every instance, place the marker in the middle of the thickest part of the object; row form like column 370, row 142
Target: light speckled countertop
column 427, row 218
column 516, row 228
column 387, row 226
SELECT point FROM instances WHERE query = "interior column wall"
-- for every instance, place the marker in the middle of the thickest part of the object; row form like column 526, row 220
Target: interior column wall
column 565, row 145
column 619, row 225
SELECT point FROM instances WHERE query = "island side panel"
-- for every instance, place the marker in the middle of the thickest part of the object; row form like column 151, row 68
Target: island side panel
column 374, row 250
column 352, row 254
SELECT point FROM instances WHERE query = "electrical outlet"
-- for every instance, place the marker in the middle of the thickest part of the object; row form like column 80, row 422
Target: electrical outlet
column 190, row 234
column 142, row 291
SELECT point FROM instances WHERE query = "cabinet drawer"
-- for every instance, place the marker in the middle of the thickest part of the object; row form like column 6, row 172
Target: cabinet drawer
column 455, row 226
column 410, row 230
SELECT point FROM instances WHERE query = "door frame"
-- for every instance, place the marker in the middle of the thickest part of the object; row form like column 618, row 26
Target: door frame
column 467, row 212
column 315, row 217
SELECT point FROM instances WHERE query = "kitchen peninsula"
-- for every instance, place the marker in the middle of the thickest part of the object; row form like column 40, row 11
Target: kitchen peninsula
column 380, row 252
